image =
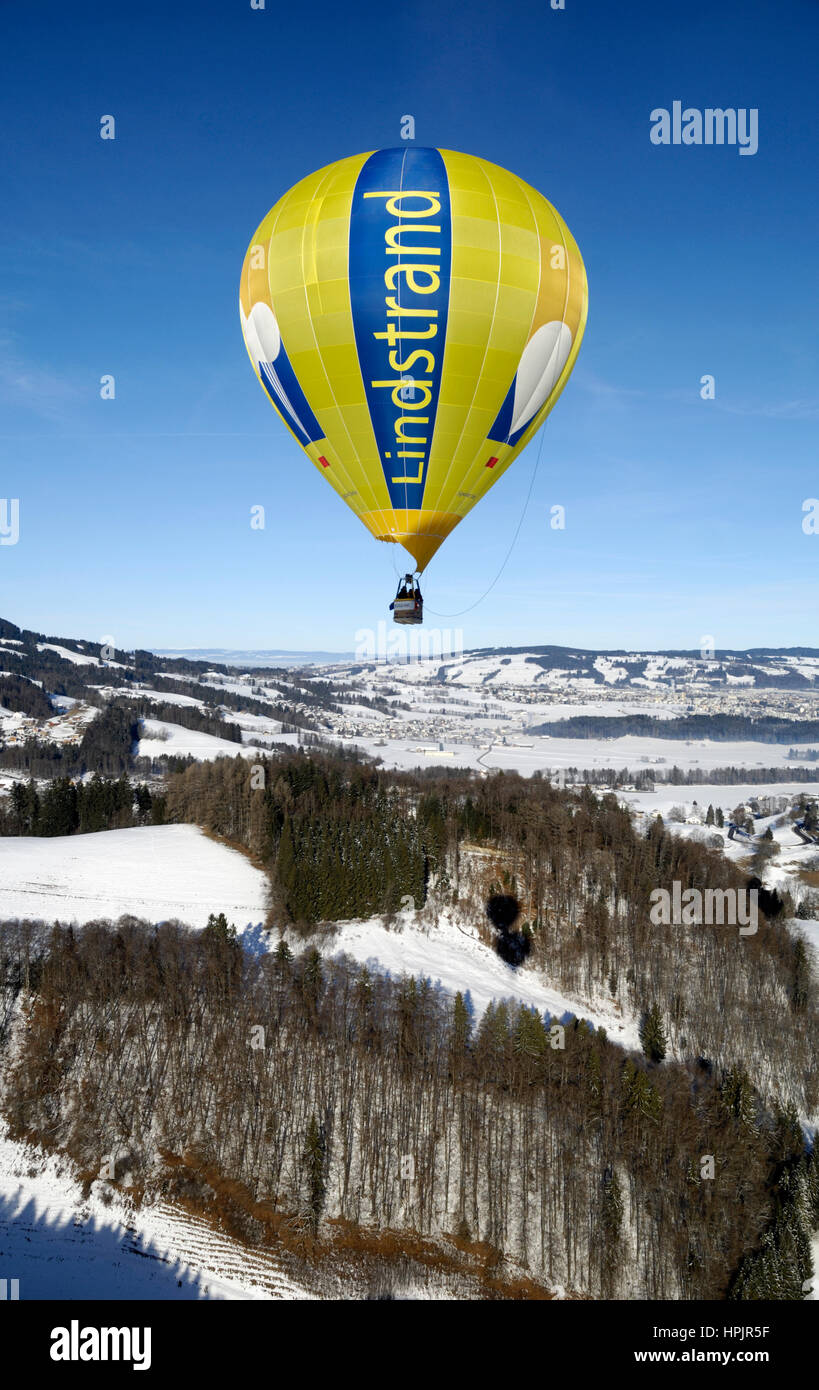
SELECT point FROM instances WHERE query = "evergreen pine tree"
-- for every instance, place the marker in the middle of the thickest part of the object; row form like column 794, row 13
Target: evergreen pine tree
column 652, row 1035
column 312, row 979
column 282, row 956
column 737, row 1097
column 286, row 868
column 315, row 1154
column 461, row 1026
column 611, row 1220
column 218, row 928
column 640, row 1097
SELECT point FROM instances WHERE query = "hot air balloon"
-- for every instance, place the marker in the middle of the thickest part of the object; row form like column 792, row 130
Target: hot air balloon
column 413, row 315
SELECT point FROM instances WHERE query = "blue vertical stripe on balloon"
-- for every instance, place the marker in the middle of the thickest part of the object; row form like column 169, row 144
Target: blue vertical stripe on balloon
column 388, row 172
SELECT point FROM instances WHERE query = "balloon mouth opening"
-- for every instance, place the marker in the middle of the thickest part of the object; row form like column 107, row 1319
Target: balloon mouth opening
column 421, row 533
column 421, row 548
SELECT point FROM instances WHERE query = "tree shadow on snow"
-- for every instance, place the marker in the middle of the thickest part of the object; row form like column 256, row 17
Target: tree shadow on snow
column 75, row 1255
column 503, row 911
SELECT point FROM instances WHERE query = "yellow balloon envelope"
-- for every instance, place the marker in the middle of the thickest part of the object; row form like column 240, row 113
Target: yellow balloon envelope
column 413, row 314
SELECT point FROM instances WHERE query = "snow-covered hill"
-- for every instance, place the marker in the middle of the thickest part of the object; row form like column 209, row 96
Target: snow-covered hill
column 454, row 958
column 572, row 668
column 550, row 666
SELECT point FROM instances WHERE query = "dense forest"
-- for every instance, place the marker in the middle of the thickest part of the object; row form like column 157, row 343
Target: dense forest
column 646, row 778
column 305, row 1091
column 723, row 728
column 571, row 872
column 23, row 697
column 735, row 776
column 106, row 747
column 340, row 838
column 65, row 807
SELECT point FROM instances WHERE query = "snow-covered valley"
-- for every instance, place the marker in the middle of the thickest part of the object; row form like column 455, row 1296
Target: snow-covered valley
column 480, row 713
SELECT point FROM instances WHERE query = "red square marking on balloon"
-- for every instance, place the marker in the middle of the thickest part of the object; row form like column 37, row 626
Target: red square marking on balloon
column 491, row 463
column 323, row 461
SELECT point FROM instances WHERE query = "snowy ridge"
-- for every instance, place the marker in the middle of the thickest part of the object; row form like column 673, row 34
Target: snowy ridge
column 175, row 872
column 555, row 667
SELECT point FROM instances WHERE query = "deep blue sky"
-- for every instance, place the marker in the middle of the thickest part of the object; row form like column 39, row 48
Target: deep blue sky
column 683, row 516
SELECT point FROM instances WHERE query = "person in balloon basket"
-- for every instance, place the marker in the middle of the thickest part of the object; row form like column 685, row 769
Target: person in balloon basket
column 407, row 593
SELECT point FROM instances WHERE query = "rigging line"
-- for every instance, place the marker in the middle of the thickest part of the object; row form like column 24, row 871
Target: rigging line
column 461, row 611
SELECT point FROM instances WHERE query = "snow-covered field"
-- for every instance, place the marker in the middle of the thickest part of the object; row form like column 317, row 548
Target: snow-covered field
column 160, row 739
column 139, row 692
column 158, row 872
column 77, row 658
column 60, row 1245
column 260, row 726
column 528, row 753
